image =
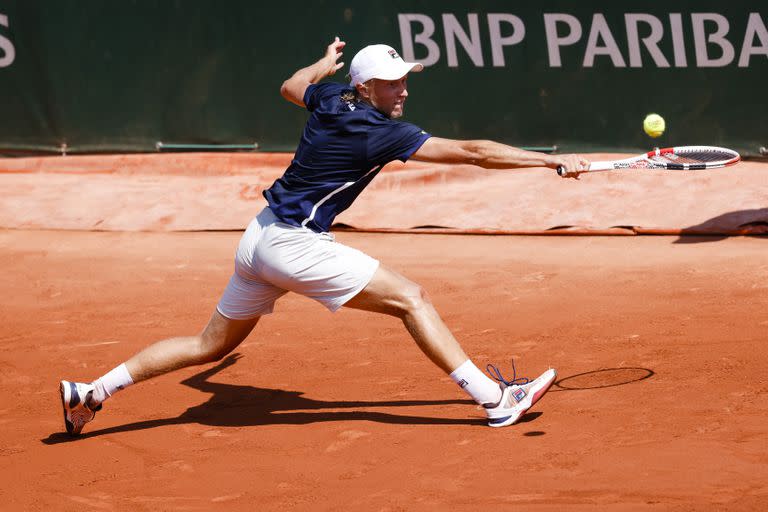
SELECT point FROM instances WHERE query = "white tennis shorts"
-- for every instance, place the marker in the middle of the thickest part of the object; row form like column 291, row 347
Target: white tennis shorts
column 274, row 258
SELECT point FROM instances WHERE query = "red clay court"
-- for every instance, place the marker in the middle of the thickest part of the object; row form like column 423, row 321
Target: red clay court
column 659, row 342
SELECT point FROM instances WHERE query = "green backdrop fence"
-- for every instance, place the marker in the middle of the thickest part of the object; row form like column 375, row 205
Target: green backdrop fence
column 124, row 75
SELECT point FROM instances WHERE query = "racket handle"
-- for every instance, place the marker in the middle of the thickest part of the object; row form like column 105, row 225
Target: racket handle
column 561, row 171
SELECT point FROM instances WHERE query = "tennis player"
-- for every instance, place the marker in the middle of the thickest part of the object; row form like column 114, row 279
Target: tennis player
column 352, row 132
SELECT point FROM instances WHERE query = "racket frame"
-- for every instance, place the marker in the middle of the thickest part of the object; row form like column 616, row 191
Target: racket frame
column 644, row 161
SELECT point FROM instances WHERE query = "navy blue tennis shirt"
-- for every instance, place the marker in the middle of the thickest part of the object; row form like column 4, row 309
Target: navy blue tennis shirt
column 344, row 145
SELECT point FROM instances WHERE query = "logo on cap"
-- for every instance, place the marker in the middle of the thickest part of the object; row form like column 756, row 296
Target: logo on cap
column 393, row 54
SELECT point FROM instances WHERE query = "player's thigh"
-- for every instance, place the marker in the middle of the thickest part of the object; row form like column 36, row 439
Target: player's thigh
column 247, row 296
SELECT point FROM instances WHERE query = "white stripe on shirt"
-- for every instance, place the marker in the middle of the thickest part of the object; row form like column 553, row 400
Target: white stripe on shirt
column 333, row 193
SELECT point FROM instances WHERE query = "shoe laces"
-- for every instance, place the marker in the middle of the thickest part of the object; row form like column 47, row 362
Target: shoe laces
column 496, row 375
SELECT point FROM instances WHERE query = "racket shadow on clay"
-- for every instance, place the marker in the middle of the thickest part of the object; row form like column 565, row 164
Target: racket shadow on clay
column 602, row 378
column 234, row 405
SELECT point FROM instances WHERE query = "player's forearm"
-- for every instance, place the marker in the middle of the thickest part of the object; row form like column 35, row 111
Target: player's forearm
column 312, row 73
column 493, row 155
column 293, row 88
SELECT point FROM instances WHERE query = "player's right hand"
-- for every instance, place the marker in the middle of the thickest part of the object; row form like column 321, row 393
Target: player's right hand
column 572, row 164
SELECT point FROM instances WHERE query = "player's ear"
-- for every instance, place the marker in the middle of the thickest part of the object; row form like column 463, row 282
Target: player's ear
column 363, row 90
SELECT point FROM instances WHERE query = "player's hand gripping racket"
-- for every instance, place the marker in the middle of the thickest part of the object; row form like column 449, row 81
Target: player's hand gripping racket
column 682, row 158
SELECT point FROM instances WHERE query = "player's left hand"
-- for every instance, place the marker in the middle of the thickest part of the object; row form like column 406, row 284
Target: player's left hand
column 332, row 54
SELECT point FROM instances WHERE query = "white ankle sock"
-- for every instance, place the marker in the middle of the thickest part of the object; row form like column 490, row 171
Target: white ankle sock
column 476, row 384
column 111, row 383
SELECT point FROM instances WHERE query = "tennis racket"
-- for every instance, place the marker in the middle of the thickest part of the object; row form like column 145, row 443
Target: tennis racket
column 681, row 158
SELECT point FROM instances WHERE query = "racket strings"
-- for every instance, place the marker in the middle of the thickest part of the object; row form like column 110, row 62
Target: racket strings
column 693, row 157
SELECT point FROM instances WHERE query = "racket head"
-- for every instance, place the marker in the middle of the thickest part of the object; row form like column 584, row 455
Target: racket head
column 693, row 157
column 678, row 158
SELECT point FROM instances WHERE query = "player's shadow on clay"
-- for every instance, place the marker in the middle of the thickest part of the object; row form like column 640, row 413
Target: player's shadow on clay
column 742, row 222
column 234, row 405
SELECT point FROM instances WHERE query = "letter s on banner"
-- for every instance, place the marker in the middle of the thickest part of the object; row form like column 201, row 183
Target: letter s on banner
column 424, row 37
column 6, row 46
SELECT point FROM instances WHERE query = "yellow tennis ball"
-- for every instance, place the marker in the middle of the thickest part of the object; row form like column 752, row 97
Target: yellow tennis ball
column 654, row 125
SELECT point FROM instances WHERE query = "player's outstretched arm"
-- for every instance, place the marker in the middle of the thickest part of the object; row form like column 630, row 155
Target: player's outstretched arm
column 493, row 155
column 293, row 89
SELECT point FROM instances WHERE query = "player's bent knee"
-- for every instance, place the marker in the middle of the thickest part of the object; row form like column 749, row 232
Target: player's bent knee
column 412, row 299
column 209, row 351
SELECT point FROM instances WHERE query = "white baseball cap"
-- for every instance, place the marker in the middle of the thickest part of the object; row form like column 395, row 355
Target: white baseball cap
column 379, row 61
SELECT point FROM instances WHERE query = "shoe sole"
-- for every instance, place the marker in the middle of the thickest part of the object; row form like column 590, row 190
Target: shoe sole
column 511, row 420
column 66, row 397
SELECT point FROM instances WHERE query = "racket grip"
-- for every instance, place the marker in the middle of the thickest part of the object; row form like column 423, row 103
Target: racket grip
column 561, row 171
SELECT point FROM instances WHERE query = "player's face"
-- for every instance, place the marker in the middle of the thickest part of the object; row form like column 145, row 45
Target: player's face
column 388, row 96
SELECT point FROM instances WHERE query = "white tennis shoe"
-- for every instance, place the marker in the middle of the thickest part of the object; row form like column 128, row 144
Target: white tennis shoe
column 75, row 398
column 517, row 399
